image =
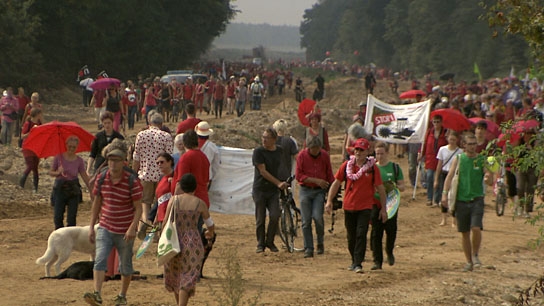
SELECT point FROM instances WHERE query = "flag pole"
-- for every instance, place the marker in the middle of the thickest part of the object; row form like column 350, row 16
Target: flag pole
column 422, row 146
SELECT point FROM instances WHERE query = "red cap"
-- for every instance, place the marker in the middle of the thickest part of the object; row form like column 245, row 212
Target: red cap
column 362, row 144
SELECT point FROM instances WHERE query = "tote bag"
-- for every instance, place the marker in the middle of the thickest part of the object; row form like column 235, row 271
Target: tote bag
column 168, row 242
column 452, row 194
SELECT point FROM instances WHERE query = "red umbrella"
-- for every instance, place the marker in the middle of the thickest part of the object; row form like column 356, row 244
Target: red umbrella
column 493, row 129
column 452, row 119
column 412, row 94
column 50, row 139
column 525, row 125
column 306, row 107
column 105, row 83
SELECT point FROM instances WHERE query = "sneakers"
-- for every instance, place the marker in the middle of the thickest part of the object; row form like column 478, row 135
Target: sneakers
column 352, row 267
column 390, row 259
column 320, row 249
column 259, row 249
column 476, row 261
column 358, row 269
column 120, row 300
column 376, row 266
column 93, row 298
column 468, row 267
column 308, row 254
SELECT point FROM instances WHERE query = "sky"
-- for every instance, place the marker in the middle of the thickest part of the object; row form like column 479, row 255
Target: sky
column 273, row 12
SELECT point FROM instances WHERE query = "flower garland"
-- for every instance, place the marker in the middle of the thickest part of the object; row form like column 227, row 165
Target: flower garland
column 369, row 163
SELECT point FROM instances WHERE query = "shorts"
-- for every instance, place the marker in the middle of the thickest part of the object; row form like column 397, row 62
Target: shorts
column 105, row 241
column 469, row 214
column 149, row 192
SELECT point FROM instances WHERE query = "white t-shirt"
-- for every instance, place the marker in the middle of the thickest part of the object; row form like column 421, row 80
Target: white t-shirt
column 444, row 155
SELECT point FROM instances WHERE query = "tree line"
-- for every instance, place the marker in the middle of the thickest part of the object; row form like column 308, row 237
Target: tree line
column 419, row 35
column 44, row 42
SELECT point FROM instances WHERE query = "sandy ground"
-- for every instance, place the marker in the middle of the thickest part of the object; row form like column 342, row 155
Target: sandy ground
column 429, row 257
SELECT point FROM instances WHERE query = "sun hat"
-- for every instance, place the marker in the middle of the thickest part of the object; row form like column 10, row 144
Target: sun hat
column 203, row 129
column 362, row 144
column 118, row 153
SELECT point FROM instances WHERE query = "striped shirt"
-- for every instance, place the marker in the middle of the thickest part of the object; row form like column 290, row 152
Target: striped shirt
column 117, row 212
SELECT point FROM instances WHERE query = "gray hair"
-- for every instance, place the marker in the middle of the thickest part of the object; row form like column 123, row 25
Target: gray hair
column 356, row 131
column 116, row 144
column 313, row 141
column 156, row 119
column 179, row 138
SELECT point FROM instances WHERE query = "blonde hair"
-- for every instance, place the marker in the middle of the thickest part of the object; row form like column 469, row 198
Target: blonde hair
column 280, row 126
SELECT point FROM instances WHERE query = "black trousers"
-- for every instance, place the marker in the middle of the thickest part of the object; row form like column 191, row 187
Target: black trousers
column 376, row 235
column 356, row 223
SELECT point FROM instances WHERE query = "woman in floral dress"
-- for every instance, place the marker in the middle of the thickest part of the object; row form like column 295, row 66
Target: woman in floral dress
column 182, row 272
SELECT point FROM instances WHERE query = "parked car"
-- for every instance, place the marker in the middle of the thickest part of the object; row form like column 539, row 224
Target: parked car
column 182, row 77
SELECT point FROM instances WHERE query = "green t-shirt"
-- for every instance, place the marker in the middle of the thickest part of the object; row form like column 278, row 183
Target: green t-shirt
column 471, row 175
column 388, row 177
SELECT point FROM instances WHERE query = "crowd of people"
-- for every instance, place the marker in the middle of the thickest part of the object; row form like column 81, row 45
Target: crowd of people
column 135, row 189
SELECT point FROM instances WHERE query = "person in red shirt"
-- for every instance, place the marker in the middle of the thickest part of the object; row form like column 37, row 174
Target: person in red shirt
column 218, row 98
column 435, row 138
column 362, row 177
column 31, row 159
column 23, row 101
column 231, row 95
column 314, row 174
column 209, row 89
column 190, row 122
column 130, row 103
column 99, row 106
column 199, row 94
column 188, row 92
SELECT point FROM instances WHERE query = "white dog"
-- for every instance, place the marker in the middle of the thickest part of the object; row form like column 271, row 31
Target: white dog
column 62, row 242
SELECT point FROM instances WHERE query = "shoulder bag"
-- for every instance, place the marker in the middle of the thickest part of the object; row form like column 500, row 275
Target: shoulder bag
column 452, row 193
column 168, row 242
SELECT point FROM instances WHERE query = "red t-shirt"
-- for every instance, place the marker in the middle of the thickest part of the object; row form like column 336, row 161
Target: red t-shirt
column 99, row 96
column 231, row 89
column 149, row 99
column 187, row 124
column 129, row 98
column 117, row 212
column 23, row 101
column 188, row 91
column 219, row 92
column 359, row 194
column 163, row 194
column 195, row 162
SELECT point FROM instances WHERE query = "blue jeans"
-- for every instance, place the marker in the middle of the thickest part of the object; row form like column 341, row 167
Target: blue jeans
column 7, row 132
column 105, row 241
column 312, row 203
column 240, row 107
column 256, row 103
column 431, row 194
column 132, row 115
column 60, row 201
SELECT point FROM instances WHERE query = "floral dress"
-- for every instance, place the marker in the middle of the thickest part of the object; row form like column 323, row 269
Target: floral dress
column 183, row 271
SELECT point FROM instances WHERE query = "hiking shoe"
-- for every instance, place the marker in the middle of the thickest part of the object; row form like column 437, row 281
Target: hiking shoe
column 273, row 248
column 476, row 261
column 376, row 266
column 308, row 254
column 320, row 249
column 390, row 259
column 93, row 298
column 468, row 267
column 259, row 249
column 352, row 267
column 358, row 269
column 120, row 300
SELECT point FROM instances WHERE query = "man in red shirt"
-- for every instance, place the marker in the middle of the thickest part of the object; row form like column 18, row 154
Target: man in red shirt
column 190, row 122
column 208, row 89
column 118, row 203
column 23, row 101
column 314, row 174
column 219, row 93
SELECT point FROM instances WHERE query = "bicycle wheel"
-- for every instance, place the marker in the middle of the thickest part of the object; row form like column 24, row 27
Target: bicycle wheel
column 500, row 201
column 289, row 231
column 296, row 230
column 284, row 228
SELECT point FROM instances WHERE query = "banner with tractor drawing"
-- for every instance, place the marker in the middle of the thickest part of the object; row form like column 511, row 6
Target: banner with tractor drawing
column 397, row 123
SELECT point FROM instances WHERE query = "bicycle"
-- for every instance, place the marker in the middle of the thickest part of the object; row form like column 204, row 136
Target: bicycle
column 290, row 218
column 501, row 198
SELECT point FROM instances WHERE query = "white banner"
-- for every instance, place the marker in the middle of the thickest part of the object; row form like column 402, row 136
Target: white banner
column 231, row 188
column 397, row 123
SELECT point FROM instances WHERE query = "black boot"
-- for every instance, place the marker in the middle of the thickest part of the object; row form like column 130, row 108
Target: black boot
column 22, row 181
column 36, row 181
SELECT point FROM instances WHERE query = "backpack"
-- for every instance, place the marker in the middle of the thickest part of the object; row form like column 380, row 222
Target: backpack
column 100, row 175
column 256, row 87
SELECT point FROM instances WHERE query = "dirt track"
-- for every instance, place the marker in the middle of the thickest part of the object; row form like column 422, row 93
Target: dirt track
column 428, row 265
